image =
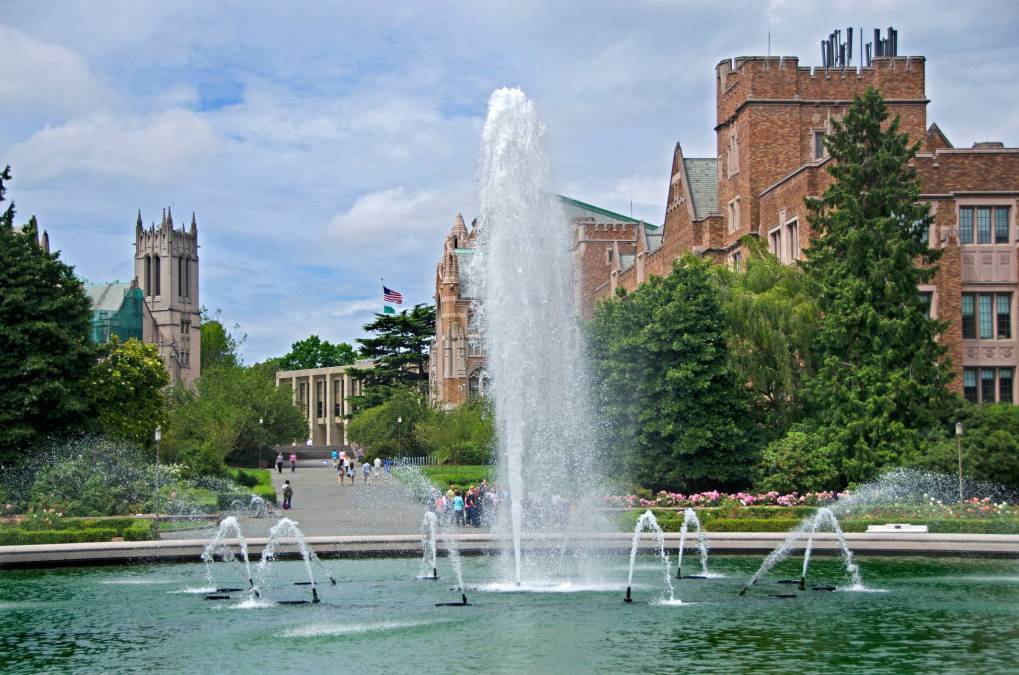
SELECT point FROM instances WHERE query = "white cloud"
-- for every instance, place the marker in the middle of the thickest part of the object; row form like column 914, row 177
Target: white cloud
column 156, row 148
column 395, row 215
column 324, row 146
column 46, row 80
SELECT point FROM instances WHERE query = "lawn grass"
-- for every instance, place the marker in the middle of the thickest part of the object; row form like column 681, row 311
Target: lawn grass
column 458, row 477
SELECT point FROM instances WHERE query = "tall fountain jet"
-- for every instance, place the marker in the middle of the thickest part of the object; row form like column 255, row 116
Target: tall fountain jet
column 536, row 366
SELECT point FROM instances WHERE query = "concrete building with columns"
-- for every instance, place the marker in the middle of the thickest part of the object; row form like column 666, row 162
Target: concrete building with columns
column 323, row 395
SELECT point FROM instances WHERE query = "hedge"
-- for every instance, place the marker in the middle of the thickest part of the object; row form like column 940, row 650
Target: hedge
column 671, row 522
column 143, row 530
column 266, row 492
column 16, row 536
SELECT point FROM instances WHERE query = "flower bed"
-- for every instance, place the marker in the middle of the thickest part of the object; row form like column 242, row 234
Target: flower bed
column 715, row 498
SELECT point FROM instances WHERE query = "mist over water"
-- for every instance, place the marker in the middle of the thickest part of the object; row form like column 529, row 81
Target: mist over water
column 538, row 381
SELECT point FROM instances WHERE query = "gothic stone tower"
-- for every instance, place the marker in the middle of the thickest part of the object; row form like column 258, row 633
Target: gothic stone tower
column 166, row 269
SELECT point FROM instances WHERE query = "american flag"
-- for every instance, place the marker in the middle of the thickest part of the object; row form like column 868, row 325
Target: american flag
column 390, row 295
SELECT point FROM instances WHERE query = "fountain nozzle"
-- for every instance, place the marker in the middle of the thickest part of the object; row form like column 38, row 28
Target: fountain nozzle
column 803, row 583
column 679, row 571
column 331, row 580
column 435, row 573
column 742, row 592
column 628, row 598
column 314, row 595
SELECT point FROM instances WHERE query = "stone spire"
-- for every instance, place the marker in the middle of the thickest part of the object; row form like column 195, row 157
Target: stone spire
column 194, row 224
column 459, row 228
column 169, row 218
column 138, row 223
column 162, row 223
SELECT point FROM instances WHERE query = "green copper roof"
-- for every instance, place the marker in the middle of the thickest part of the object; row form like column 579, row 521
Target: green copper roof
column 600, row 211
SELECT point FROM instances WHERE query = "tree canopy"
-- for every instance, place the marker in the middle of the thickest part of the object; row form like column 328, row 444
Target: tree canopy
column 45, row 350
column 219, row 346
column 666, row 389
column 219, row 419
column 463, row 435
column 771, row 319
column 399, row 350
column 881, row 383
column 125, row 391
column 389, row 429
column 314, row 352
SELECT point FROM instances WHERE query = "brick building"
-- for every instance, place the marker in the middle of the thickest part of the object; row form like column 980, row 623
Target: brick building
column 456, row 369
column 772, row 116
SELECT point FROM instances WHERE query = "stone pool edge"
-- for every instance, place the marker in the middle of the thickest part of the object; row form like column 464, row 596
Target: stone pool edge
column 409, row 545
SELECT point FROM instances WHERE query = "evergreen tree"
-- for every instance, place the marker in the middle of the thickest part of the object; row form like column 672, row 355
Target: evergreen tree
column 400, row 354
column 882, row 376
column 667, row 391
column 45, row 350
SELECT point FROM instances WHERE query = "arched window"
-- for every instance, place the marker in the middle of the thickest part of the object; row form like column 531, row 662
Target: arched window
column 477, row 384
column 157, row 276
column 180, row 277
column 187, row 277
column 147, row 279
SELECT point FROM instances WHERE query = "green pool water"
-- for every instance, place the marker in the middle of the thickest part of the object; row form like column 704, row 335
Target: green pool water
column 931, row 615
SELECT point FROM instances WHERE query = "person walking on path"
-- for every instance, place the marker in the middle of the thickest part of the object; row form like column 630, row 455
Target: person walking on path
column 350, row 469
column 366, row 469
column 293, row 462
column 378, row 465
column 288, row 495
column 279, row 462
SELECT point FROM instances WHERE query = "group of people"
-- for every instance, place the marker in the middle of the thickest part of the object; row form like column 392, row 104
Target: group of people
column 279, row 462
column 346, row 467
column 472, row 508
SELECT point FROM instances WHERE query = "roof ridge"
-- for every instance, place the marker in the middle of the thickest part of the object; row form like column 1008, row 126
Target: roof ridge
column 600, row 210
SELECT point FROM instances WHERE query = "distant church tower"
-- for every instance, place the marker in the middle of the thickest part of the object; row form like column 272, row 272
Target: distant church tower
column 166, row 269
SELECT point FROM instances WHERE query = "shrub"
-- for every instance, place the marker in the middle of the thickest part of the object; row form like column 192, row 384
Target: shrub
column 224, row 500
column 266, row 492
column 251, row 477
column 990, row 445
column 142, row 530
column 797, row 461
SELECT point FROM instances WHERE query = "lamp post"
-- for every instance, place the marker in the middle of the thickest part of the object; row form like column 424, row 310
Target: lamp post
column 158, row 436
column 261, row 442
column 958, row 439
column 399, row 433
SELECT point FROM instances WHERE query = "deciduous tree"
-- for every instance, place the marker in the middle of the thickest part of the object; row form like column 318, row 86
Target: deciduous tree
column 673, row 404
column 314, row 352
column 125, row 391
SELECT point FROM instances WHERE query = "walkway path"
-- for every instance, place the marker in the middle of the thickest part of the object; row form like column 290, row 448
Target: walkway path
column 324, row 508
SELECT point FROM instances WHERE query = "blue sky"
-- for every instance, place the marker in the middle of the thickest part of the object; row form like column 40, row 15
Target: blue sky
column 324, row 145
